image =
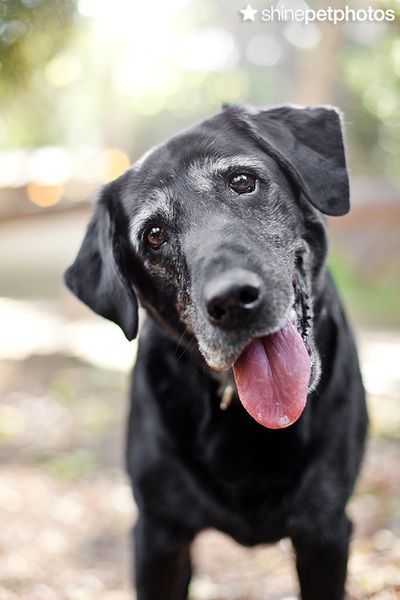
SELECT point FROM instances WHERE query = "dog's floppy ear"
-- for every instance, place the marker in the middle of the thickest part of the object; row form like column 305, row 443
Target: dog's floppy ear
column 308, row 145
column 97, row 276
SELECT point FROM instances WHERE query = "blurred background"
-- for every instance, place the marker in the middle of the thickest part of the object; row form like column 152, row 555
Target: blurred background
column 86, row 87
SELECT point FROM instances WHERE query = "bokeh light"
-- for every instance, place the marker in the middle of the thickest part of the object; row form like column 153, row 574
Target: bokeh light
column 44, row 196
column 112, row 163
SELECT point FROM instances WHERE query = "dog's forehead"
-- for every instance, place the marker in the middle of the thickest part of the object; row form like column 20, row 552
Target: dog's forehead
column 212, row 138
column 165, row 161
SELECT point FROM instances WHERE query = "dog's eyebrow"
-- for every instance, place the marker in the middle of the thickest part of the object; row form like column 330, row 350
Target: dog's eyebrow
column 200, row 172
column 159, row 207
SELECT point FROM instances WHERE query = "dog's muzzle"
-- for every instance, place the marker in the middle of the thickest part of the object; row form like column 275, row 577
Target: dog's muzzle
column 273, row 371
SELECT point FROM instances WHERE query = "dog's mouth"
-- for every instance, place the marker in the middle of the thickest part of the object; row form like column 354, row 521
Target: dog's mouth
column 273, row 372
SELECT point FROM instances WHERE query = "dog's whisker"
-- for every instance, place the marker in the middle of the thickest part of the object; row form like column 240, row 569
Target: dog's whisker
column 181, row 339
column 185, row 348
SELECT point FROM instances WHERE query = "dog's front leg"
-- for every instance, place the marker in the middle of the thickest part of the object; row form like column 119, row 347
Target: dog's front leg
column 162, row 562
column 322, row 566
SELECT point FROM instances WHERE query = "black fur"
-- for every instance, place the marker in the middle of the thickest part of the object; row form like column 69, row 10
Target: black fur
column 192, row 465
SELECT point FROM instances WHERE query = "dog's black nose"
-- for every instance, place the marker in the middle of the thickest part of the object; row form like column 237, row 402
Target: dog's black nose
column 232, row 297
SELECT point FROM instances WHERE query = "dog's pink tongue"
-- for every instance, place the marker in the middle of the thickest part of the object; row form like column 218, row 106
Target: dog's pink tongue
column 272, row 376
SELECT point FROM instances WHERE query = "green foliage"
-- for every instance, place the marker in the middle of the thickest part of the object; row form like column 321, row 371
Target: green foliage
column 371, row 70
column 370, row 303
column 75, row 464
column 31, row 32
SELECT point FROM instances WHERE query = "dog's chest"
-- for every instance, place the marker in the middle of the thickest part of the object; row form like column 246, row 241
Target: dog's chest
column 248, row 478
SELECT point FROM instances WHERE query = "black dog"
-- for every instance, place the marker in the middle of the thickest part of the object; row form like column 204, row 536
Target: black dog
column 220, row 235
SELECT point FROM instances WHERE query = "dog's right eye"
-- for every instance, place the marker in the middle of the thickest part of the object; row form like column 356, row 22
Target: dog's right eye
column 242, row 183
column 155, row 237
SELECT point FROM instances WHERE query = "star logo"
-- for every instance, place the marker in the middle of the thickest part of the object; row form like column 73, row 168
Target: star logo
column 249, row 13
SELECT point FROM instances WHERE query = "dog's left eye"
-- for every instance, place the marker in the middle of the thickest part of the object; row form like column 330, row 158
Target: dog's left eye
column 242, row 183
column 156, row 237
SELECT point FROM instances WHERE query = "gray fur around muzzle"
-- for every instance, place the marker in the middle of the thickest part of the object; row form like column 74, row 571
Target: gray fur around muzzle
column 237, row 295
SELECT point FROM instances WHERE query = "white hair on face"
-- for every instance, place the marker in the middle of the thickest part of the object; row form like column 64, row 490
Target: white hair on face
column 201, row 172
column 160, row 205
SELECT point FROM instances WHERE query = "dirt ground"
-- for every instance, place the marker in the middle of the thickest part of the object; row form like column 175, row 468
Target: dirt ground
column 66, row 507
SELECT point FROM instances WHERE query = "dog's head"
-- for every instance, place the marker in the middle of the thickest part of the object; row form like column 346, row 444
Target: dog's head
column 220, row 234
